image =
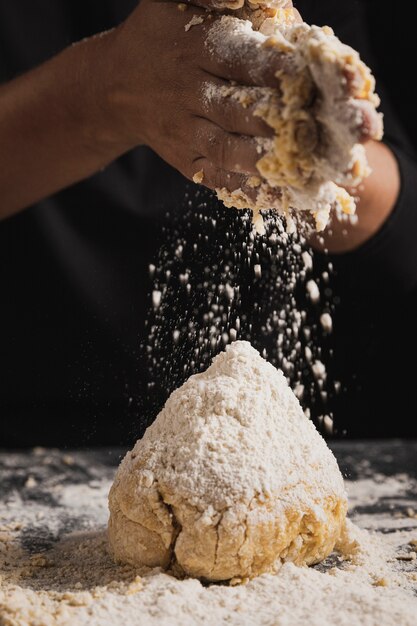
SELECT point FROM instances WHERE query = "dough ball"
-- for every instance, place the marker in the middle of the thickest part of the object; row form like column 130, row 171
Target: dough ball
column 230, row 480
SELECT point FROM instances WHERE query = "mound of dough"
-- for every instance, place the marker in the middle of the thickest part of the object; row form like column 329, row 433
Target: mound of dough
column 229, row 480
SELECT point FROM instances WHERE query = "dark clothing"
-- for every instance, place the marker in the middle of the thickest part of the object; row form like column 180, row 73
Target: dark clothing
column 75, row 281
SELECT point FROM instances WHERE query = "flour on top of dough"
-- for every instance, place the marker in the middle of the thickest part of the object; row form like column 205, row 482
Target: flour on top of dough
column 229, row 479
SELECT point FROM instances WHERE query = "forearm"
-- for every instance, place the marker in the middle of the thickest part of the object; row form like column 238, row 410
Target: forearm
column 55, row 127
column 376, row 199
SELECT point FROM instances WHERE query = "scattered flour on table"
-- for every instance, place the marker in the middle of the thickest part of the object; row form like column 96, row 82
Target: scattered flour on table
column 76, row 582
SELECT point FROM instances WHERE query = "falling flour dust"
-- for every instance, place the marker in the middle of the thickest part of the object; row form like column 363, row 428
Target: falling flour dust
column 216, row 280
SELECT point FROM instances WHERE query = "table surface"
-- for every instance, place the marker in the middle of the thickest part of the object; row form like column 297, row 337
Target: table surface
column 55, row 493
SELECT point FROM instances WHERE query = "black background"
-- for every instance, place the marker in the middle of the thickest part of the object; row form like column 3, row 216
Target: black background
column 68, row 363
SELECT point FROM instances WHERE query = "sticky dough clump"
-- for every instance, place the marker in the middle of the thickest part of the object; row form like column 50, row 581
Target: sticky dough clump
column 316, row 111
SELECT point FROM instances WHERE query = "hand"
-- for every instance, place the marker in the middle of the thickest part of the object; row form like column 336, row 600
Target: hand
column 147, row 81
column 161, row 76
column 165, row 81
column 143, row 82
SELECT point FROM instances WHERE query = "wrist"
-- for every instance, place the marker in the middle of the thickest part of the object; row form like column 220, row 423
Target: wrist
column 102, row 103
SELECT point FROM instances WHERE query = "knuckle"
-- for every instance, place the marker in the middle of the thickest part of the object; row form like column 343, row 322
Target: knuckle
column 219, row 179
column 209, row 172
column 191, row 168
column 260, row 127
column 218, row 148
column 232, row 117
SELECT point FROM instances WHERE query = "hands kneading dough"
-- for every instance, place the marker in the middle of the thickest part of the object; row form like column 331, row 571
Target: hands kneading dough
column 321, row 109
column 257, row 105
column 230, row 479
column 320, row 105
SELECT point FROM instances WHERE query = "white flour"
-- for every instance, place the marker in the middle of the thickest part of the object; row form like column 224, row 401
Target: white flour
column 77, row 584
column 195, row 20
column 248, row 287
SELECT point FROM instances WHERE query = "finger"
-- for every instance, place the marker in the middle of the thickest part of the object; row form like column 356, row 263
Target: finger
column 247, row 57
column 297, row 14
column 369, row 121
column 234, row 109
column 238, row 190
column 228, row 151
column 357, row 80
column 363, row 121
column 216, row 178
